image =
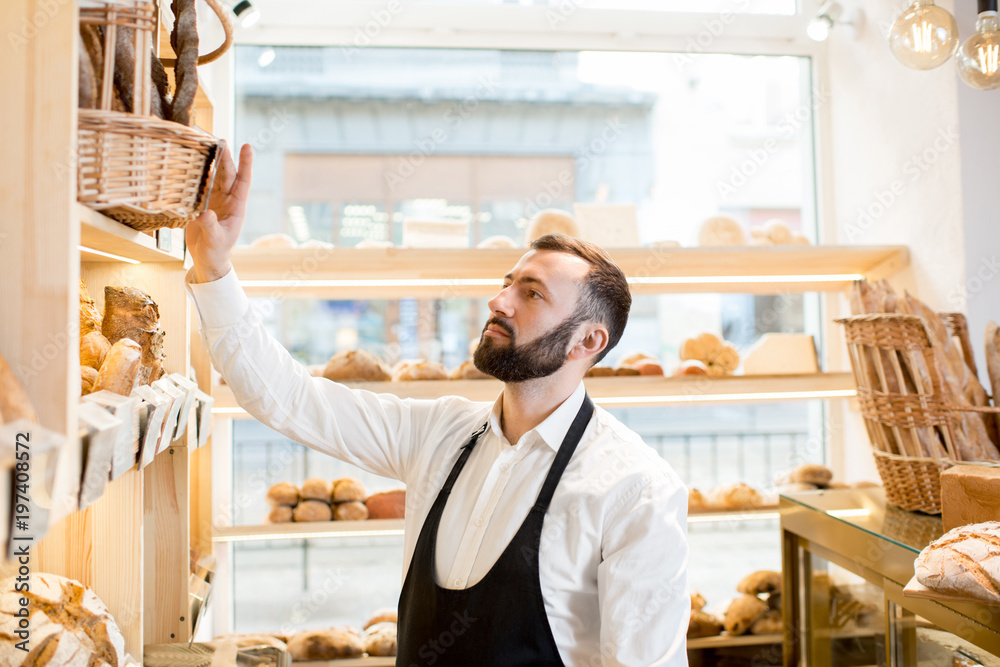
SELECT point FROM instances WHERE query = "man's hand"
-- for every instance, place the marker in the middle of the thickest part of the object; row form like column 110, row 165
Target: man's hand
column 212, row 235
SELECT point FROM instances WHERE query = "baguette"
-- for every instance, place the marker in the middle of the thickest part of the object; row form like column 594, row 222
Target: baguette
column 184, row 40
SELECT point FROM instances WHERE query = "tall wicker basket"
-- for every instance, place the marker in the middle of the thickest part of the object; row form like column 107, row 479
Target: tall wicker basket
column 909, row 417
column 141, row 170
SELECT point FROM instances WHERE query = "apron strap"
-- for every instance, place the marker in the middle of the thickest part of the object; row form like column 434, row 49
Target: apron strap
column 566, row 450
column 463, row 457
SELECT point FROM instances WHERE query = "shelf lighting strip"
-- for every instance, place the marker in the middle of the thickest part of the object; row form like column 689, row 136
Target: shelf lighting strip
column 109, row 255
column 306, row 535
column 494, row 282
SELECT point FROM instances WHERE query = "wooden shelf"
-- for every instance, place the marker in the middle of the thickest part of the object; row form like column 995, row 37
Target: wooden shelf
column 100, row 232
column 723, row 641
column 309, row 529
column 616, row 392
column 350, row 273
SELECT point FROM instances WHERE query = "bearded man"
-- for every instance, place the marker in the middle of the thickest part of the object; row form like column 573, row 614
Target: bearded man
column 539, row 530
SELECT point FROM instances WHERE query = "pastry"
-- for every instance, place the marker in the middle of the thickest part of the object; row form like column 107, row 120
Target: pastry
column 283, row 493
column 702, row 624
column 550, row 221
column 184, row 40
column 90, row 318
column 68, row 625
column 720, row 357
column 356, row 365
column 346, row 489
column 468, row 371
column 697, row 601
column 721, row 231
column 14, row 403
column 316, row 488
column 120, row 371
column 641, row 362
column 769, row 623
column 325, row 645
column 277, row 241
column 742, row 613
column 386, row 505
column 965, row 561
column 312, row 510
column 735, row 496
column 762, row 581
column 350, row 511
column 381, row 616
column 690, row 367
column 280, row 514
column 88, row 378
column 380, row 639
column 94, row 349
column 419, row 370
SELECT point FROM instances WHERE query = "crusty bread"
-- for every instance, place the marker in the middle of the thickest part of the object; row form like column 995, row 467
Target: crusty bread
column 742, row 613
column 352, row 510
column 283, row 493
column 380, row 639
column 769, row 623
column 316, row 488
column 312, row 510
column 68, row 625
column 94, row 349
column 280, row 514
column 381, row 616
column 90, row 318
column 325, row 645
column 418, row 369
column 468, row 371
column 697, row 601
column 807, row 473
column 120, row 371
column 550, row 221
column 358, row 365
column 761, row 581
column 696, row 500
column 88, row 377
column 703, row 624
column 964, row 561
column 348, row 488
column 734, row 496
column 386, row 505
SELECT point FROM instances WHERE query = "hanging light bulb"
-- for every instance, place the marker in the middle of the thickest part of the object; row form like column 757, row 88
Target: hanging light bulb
column 979, row 58
column 924, row 35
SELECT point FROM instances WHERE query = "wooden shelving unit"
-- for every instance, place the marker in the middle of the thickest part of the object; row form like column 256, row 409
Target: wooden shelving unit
column 101, row 233
column 350, row 273
column 724, row 641
column 309, row 529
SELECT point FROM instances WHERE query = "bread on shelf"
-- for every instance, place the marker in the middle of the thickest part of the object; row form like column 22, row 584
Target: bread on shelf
column 348, row 489
column 760, row 582
column 742, row 613
column 330, row 644
column 316, row 488
column 312, row 510
column 283, row 493
column 721, row 230
column 965, row 561
column 386, row 505
column 720, row 357
column 418, row 369
column 380, row 639
column 120, row 371
column 351, row 510
column 356, row 365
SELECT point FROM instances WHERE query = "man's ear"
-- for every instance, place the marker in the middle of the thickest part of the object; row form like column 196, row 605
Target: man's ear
column 593, row 339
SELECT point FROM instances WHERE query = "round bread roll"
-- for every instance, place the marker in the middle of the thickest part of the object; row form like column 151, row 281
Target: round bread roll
column 812, row 473
column 697, row 601
column 317, row 488
column 702, row 624
column 325, row 645
column 350, row 511
column 380, row 639
column 357, row 365
column 742, row 613
column 769, row 623
column 468, row 371
column 88, row 377
column 762, row 581
column 386, row 505
column 250, row 641
column 634, row 358
column 965, row 561
column 348, row 488
column 599, row 372
column 280, row 514
column 67, row 624
column 696, row 500
column 690, row 367
column 778, row 231
column 799, row 239
column 550, row 221
column 498, row 241
column 721, row 231
column 419, row 369
column 283, row 493
column 273, row 242
column 94, row 348
column 735, row 496
column 382, row 616
column 312, row 510
column 652, row 368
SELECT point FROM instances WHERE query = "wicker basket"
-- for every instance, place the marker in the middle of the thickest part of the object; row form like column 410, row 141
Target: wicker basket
column 910, row 421
column 141, row 170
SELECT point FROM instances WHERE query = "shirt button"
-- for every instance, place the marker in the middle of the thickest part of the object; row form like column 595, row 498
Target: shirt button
column 479, row 521
column 458, row 582
column 504, row 467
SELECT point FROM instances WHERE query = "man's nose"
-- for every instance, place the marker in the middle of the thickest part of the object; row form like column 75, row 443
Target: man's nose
column 501, row 305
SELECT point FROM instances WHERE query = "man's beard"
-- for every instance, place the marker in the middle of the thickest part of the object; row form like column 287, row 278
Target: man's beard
column 537, row 359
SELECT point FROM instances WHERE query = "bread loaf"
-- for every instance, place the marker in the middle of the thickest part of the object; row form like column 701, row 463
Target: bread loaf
column 419, row 370
column 88, row 377
column 599, row 371
column 697, row 601
column 280, row 514
column 380, row 639
column 381, row 616
column 690, row 367
column 735, row 496
column 808, row 473
column 120, row 371
column 969, row 494
column 703, row 624
column 283, row 493
column 721, row 231
column 94, row 349
column 350, row 511
column 720, row 357
column 696, row 500
column 742, row 613
column 468, row 371
column 762, row 581
column 357, row 365
column 316, row 488
column 184, row 41
column 348, row 488
column 68, row 625
column 131, row 313
column 550, row 221
column 325, row 645
column 769, row 623
column 90, row 319
column 312, row 510
column 14, row 403
column 964, row 561
column 386, row 505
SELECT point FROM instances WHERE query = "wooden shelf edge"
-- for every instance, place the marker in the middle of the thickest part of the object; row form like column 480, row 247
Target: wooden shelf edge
column 99, row 232
column 306, row 529
column 722, row 641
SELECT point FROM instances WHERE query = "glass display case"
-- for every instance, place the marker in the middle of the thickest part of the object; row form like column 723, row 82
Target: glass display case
column 846, row 556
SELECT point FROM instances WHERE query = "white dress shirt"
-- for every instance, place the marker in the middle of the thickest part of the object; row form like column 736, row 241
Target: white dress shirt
column 613, row 556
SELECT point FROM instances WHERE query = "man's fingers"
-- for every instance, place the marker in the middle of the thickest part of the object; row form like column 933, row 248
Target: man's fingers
column 226, row 173
column 241, row 188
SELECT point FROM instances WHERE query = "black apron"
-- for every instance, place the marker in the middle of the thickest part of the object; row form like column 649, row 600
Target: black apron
column 501, row 619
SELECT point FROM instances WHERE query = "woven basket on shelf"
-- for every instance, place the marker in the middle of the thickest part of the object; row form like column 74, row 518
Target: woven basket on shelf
column 141, row 170
column 905, row 409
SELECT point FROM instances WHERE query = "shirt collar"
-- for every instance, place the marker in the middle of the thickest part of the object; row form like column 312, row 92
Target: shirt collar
column 553, row 430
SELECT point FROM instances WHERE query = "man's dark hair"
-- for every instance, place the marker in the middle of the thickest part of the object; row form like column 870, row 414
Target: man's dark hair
column 604, row 297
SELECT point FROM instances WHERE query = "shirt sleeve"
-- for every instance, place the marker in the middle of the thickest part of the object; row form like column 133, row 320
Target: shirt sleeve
column 374, row 432
column 642, row 578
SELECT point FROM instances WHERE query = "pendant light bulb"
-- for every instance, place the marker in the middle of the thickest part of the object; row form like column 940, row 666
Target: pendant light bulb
column 924, row 36
column 979, row 57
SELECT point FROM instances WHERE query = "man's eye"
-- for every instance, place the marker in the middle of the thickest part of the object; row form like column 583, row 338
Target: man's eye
column 533, row 294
